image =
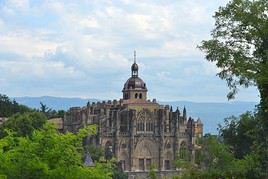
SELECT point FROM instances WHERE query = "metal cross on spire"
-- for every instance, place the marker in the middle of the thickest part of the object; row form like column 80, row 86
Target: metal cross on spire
column 134, row 56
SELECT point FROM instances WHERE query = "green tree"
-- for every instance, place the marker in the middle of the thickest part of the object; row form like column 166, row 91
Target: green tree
column 239, row 47
column 216, row 160
column 152, row 172
column 49, row 112
column 118, row 173
column 239, row 134
column 48, row 154
column 24, row 124
column 43, row 108
column 96, row 152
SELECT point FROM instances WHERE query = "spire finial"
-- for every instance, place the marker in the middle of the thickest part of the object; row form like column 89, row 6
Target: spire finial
column 134, row 56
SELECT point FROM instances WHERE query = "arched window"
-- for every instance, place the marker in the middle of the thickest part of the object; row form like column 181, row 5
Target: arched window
column 140, row 126
column 108, row 150
column 124, row 146
column 123, row 125
column 136, row 95
column 126, row 96
column 149, row 126
column 140, row 96
column 183, row 151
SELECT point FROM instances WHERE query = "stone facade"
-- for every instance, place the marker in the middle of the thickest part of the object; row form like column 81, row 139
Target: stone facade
column 137, row 131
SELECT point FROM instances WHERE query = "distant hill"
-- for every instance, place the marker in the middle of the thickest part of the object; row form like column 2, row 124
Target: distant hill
column 211, row 114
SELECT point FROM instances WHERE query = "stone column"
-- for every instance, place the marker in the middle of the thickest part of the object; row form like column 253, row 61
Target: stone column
column 132, row 139
column 161, row 139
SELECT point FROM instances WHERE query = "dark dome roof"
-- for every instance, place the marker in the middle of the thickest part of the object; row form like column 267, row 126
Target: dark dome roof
column 134, row 83
column 135, row 67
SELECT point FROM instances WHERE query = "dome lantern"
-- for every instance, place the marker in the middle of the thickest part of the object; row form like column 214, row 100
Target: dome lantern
column 135, row 67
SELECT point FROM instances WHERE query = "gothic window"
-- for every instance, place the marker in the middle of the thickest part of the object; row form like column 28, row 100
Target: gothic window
column 136, row 95
column 148, row 163
column 123, row 125
column 140, row 126
column 108, row 151
column 183, row 151
column 168, row 146
column 109, row 122
column 167, row 164
column 123, row 164
column 149, row 126
column 141, row 164
column 140, row 96
column 144, row 122
column 152, row 126
column 124, row 146
column 126, row 96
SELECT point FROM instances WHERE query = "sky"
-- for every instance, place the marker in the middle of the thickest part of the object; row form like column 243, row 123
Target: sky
column 85, row 49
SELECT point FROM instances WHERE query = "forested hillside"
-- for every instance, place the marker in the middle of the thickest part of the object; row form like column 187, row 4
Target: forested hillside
column 9, row 107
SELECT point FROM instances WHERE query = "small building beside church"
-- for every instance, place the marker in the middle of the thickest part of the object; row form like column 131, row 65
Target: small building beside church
column 138, row 132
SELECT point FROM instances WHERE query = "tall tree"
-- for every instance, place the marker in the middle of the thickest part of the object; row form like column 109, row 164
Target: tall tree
column 239, row 47
column 44, row 109
column 239, row 134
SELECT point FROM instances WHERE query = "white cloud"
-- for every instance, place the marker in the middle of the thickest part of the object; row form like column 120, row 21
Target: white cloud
column 20, row 4
column 89, row 22
column 2, row 24
column 76, row 44
column 26, row 44
column 38, row 69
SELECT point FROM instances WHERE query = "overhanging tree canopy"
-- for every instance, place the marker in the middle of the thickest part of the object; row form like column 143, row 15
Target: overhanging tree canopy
column 239, row 45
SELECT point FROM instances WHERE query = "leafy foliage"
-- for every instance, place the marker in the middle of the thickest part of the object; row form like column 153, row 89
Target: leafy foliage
column 239, row 134
column 9, row 107
column 239, row 47
column 118, row 173
column 152, row 172
column 239, row 44
column 216, row 160
column 48, row 154
column 96, row 152
column 24, row 124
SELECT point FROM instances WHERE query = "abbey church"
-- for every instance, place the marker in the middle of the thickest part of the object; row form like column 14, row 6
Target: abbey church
column 137, row 131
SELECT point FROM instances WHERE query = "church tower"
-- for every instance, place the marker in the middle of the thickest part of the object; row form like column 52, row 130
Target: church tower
column 135, row 88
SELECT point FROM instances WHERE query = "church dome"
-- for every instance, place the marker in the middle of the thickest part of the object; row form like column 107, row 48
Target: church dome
column 134, row 83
